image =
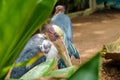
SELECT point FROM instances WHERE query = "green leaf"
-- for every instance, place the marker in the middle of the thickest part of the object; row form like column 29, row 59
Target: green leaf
column 18, row 21
column 39, row 70
column 63, row 73
column 89, row 70
column 13, row 16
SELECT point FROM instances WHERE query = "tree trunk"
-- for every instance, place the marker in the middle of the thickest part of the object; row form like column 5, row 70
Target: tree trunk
column 92, row 4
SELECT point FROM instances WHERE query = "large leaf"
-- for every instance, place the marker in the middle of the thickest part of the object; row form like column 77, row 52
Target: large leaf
column 62, row 73
column 18, row 20
column 12, row 15
column 89, row 70
column 39, row 70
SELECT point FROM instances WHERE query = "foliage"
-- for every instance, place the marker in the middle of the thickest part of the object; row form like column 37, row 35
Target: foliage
column 73, row 5
column 77, row 2
column 113, row 47
column 46, row 69
column 18, row 21
column 112, row 50
column 39, row 70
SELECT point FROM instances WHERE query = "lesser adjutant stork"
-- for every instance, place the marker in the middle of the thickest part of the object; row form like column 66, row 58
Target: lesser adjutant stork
column 49, row 45
column 64, row 22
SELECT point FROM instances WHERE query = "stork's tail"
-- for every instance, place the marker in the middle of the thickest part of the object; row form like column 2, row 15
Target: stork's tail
column 61, row 64
column 73, row 51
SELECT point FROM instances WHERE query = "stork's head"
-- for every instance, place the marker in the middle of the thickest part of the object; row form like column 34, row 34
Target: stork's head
column 55, row 34
column 59, row 9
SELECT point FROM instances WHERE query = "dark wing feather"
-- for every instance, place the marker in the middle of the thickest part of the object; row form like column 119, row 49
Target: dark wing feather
column 30, row 50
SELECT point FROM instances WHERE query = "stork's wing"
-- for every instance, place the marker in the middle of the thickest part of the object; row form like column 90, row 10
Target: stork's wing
column 17, row 72
column 31, row 48
column 73, row 51
column 64, row 22
column 29, row 51
column 71, row 48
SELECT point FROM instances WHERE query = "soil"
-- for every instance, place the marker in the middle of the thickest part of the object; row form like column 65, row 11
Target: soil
column 91, row 33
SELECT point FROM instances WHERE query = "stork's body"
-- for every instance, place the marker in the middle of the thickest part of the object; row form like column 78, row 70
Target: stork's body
column 64, row 22
column 37, row 44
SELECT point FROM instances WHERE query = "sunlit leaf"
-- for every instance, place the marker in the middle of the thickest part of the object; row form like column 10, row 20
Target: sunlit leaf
column 112, row 50
column 39, row 70
column 63, row 73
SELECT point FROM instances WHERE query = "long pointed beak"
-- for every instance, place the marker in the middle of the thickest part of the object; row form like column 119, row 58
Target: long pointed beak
column 59, row 43
column 55, row 34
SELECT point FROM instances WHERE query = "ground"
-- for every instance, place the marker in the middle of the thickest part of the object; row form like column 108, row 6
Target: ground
column 91, row 33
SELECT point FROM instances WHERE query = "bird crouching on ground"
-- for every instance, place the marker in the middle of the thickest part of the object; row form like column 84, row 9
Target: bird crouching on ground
column 48, row 45
column 37, row 44
column 63, row 21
